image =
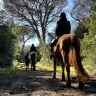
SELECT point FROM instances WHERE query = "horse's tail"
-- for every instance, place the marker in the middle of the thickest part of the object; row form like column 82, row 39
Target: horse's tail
column 75, row 60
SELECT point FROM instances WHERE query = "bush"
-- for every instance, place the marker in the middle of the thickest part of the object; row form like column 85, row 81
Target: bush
column 45, row 54
column 7, row 46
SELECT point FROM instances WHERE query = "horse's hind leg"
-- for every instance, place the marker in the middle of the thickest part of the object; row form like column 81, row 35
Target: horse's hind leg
column 63, row 66
column 27, row 65
column 34, row 66
column 66, row 63
column 68, row 82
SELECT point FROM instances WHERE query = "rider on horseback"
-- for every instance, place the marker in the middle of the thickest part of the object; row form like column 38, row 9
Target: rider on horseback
column 33, row 48
column 63, row 27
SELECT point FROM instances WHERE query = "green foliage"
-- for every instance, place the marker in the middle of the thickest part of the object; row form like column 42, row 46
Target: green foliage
column 18, row 65
column 94, row 8
column 8, row 42
column 10, row 70
column 50, row 68
column 44, row 52
column 88, row 44
column 80, row 30
column 91, row 22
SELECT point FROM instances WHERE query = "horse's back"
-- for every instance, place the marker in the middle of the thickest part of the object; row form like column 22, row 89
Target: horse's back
column 65, row 41
column 68, row 40
column 67, row 37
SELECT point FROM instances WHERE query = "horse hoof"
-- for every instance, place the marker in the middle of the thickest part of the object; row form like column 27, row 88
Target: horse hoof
column 63, row 79
column 81, row 85
column 68, row 85
column 54, row 77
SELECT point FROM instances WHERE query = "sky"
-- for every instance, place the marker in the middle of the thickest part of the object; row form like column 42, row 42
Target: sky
column 0, row 4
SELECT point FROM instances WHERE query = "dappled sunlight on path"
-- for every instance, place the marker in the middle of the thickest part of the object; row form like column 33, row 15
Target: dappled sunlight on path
column 41, row 83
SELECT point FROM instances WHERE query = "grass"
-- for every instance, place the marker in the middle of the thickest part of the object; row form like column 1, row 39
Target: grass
column 50, row 68
column 17, row 67
column 10, row 70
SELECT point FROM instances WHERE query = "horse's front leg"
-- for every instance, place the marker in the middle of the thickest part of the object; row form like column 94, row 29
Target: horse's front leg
column 54, row 66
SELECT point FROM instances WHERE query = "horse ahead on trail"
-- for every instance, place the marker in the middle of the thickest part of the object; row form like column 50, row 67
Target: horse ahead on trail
column 67, row 50
column 31, row 57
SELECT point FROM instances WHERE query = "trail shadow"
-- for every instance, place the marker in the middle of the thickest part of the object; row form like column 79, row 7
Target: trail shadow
column 90, row 86
column 29, row 81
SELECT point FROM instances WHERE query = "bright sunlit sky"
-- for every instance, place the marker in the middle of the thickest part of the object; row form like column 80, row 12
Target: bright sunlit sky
column 0, row 3
column 53, row 25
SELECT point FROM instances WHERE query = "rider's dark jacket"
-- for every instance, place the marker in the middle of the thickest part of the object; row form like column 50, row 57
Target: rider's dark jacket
column 63, row 27
column 33, row 48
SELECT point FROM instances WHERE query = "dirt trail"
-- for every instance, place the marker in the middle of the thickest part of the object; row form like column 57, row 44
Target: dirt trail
column 40, row 83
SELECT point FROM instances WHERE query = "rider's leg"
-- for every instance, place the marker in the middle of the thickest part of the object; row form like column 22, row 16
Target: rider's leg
column 53, row 43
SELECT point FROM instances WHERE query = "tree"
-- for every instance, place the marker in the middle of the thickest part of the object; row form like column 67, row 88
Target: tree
column 80, row 30
column 81, row 8
column 25, row 34
column 36, row 13
column 88, row 44
column 51, row 36
column 3, row 15
column 8, row 42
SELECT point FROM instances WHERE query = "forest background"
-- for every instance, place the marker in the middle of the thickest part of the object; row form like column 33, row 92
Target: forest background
column 26, row 21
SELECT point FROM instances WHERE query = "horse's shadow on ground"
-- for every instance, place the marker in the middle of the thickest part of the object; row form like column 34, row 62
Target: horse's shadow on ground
column 89, row 86
column 40, row 80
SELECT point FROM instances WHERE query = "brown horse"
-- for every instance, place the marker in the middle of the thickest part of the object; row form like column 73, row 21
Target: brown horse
column 67, row 50
column 31, row 58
